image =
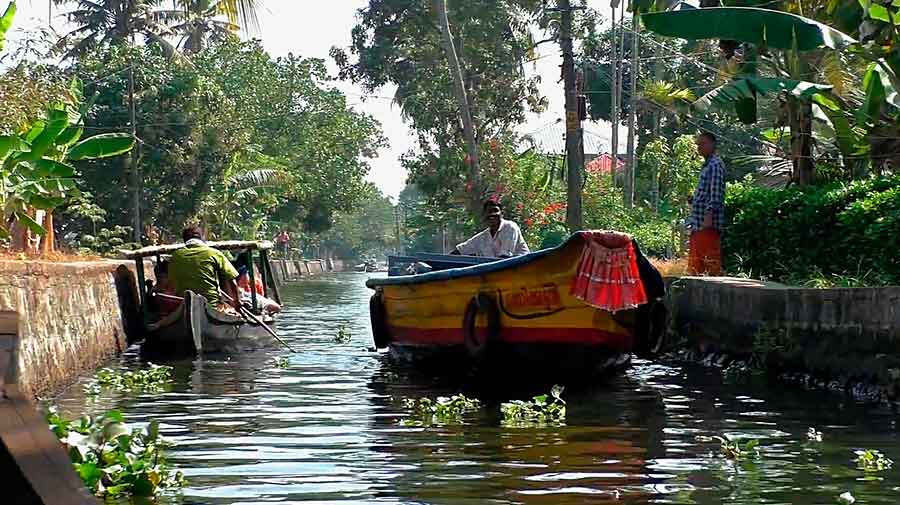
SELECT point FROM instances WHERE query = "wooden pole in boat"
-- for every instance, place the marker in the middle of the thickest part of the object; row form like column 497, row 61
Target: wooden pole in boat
column 252, row 273
column 251, row 316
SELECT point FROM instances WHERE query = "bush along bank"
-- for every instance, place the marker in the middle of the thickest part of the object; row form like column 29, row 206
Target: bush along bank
column 841, row 234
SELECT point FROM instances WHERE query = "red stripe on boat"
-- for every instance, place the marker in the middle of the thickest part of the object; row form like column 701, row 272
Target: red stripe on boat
column 454, row 336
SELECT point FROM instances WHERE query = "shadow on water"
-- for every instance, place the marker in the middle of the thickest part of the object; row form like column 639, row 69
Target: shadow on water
column 324, row 429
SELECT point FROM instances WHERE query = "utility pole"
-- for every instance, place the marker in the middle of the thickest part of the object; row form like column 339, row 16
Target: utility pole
column 613, row 98
column 574, row 132
column 617, row 89
column 635, row 68
column 459, row 88
column 135, row 171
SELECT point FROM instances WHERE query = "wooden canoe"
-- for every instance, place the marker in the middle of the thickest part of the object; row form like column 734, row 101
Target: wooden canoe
column 516, row 312
column 196, row 328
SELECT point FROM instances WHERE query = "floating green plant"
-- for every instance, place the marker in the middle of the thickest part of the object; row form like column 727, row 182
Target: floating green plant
column 281, row 362
column 343, row 335
column 113, row 460
column 542, row 410
column 735, row 450
column 440, row 411
column 153, row 379
column 872, row 460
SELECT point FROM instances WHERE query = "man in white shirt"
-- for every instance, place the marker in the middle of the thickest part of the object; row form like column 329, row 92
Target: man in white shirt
column 501, row 239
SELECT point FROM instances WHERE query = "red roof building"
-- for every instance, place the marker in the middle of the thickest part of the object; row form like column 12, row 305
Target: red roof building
column 602, row 164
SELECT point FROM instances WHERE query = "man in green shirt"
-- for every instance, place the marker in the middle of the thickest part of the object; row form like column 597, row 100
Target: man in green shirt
column 203, row 270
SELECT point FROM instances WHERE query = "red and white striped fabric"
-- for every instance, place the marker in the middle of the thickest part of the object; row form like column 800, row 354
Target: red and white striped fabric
column 607, row 277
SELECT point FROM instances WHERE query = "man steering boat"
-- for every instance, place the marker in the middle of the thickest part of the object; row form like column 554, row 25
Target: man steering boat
column 203, row 270
column 501, row 239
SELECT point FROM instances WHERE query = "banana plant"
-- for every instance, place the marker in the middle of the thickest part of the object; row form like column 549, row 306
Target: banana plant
column 36, row 164
column 778, row 40
column 6, row 21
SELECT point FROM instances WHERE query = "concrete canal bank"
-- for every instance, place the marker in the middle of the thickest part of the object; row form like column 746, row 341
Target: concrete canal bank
column 69, row 317
column 842, row 338
column 294, row 270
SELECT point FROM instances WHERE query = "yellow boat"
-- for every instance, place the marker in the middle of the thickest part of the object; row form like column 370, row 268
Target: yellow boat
column 511, row 311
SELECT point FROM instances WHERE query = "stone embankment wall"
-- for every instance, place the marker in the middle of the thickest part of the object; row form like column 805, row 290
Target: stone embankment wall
column 70, row 319
column 294, row 270
column 851, row 334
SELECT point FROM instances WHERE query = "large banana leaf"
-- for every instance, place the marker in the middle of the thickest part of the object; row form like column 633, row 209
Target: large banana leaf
column 101, row 146
column 6, row 21
column 56, row 124
column 880, row 91
column 743, row 90
column 753, row 25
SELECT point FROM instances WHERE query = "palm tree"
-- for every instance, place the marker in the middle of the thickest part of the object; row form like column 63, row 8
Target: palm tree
column 98, row 22
column 197, row 21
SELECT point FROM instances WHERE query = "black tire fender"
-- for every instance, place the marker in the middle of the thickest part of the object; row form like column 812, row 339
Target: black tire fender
column 378, row 317
column 479, row 347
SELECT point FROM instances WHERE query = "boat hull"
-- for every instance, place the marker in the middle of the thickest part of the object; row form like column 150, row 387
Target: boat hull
column 196, row 328
column 427, row 317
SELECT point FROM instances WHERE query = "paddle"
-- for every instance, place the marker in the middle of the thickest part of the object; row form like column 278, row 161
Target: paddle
column 251, row 316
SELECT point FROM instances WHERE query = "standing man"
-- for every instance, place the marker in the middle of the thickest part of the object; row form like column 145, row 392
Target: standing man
column 708, row 211
column 283, row 241
column 501, row 239
column 203, row 270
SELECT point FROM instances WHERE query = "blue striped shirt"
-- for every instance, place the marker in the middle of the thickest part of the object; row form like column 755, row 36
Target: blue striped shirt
column 709, row 195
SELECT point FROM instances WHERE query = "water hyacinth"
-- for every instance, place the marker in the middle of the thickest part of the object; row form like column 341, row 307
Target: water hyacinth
column 343, row 335
column 114, row 460
column 734, row 450
column 542, row 410
column 151, row 380
column 441, row 411
column 872, row 460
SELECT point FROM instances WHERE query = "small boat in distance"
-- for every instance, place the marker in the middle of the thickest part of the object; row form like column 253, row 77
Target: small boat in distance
column 177, row 327
column 567, row 310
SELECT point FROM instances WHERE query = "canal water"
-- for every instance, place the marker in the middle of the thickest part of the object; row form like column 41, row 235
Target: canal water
column 325, row 430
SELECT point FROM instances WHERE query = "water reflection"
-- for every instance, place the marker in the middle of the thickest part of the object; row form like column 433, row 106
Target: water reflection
column 325, row 430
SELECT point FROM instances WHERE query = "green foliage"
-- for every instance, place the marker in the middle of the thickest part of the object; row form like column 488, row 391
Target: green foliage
column 107, row 241
column 343, row 335
column 839, row 232
column 6, row 21
column 872, row 460
column 762, row 27
column 35, row 169
column 281, row 362
column 737, row 451
column 28, row 91
column 154, row 379
column 542, row 410
column 367, row 230
column 236, row 139
column 113, row 460
column 440, row 411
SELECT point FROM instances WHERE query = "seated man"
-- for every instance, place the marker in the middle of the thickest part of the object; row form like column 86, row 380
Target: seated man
column 203, row 270
column 501, row 239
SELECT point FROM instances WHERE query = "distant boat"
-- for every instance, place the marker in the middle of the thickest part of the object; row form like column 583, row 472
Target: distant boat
column 518, row 313
column 190, row 326
column 368, row 266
